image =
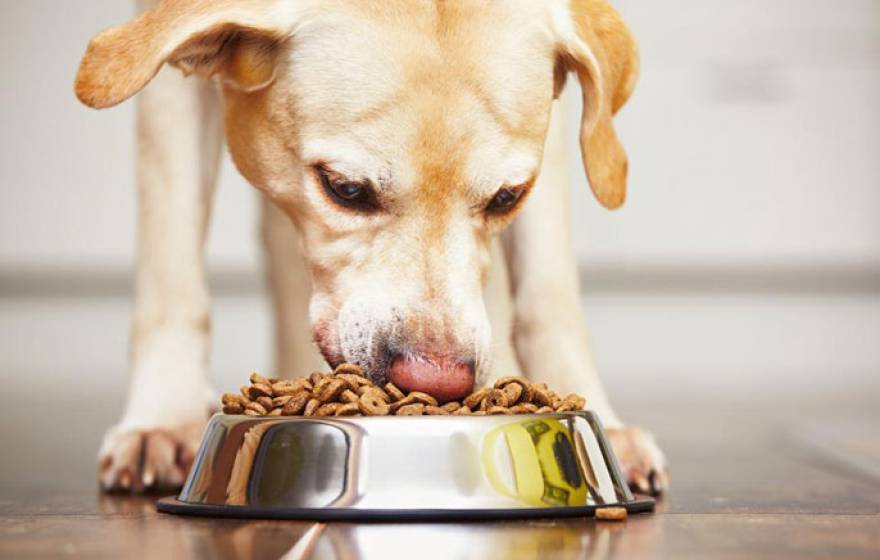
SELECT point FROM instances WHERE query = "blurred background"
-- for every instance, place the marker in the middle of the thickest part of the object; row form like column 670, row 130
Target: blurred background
column 745, row 264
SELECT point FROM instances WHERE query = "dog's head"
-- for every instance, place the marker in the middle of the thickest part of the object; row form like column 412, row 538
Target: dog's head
column 399, row 136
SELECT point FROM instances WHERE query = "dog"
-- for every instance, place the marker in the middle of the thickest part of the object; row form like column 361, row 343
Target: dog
column 414, row 148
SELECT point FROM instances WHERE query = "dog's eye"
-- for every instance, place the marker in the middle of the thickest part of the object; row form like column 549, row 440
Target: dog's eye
column 348, row 191
column 354, row 195
column 505, row 200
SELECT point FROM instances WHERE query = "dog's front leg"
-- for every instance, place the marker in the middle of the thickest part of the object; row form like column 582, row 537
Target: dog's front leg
column 550, row 335
column 179, row 139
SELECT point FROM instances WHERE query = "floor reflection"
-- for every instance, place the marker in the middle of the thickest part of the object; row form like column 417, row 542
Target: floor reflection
column 297, row 540
column 125, row 504
column 583, row 539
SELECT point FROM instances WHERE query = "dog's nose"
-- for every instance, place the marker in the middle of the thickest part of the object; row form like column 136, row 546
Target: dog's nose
column 445, row 379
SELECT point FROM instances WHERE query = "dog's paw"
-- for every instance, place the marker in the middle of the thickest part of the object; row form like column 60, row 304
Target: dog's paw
column 641, row 460
column 147, row 459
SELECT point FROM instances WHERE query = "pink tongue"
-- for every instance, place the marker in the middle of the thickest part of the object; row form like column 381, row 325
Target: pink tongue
column 443, row 379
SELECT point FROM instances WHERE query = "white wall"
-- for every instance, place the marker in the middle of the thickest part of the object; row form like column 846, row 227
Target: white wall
column 753, row 138
column 67, row 195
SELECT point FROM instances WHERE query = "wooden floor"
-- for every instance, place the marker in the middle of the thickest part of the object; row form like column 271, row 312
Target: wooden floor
column 777, row 479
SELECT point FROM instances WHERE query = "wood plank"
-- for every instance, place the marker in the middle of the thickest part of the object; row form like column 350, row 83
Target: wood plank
column 662, row 536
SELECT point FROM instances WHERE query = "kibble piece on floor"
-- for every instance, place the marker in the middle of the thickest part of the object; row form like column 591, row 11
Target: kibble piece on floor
column 611, row 514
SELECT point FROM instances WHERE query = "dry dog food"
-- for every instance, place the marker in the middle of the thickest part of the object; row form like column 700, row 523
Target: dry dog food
column 346, row 392
column 611, row 514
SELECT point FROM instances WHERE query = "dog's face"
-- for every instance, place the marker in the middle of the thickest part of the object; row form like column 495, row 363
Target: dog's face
column 400, row 137
column 399, row 154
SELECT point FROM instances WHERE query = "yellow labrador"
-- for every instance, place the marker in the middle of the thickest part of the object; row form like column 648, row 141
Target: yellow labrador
column 400, row 138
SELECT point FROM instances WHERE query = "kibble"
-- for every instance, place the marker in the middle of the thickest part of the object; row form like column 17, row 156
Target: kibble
column 347, row 392
column 495, row 399
column 371, row 403
column 311, row 407
column 611, row 514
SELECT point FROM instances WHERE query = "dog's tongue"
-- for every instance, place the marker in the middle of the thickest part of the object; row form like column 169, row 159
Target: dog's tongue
column 442, row 378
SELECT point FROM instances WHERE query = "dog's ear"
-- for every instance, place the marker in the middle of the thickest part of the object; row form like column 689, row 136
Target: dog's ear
column 596, row 45
column 236, row 39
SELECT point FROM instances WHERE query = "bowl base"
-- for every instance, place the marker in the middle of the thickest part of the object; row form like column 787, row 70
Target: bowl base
column 172, row 505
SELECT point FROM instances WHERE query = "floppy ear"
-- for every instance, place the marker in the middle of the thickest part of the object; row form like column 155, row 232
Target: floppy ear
column 599, row 48
column 237, row 39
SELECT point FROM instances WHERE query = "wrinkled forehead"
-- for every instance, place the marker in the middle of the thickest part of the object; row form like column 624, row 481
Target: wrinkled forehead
column 463, row 81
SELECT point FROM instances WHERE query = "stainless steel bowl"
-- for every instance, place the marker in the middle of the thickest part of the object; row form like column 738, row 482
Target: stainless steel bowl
column 393, row 468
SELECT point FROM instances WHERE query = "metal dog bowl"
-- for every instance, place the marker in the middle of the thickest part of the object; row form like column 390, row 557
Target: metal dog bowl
column 393, row 468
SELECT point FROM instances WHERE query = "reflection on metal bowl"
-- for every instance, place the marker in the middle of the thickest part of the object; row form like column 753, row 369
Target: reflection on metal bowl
column 435, row 467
